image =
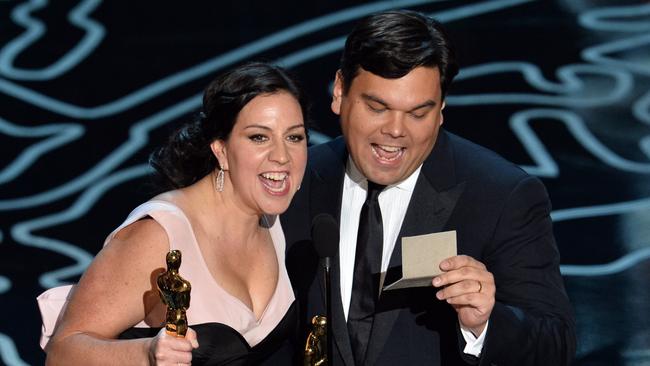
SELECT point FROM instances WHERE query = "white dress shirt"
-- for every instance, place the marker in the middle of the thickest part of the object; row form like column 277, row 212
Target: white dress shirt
column 393, row 201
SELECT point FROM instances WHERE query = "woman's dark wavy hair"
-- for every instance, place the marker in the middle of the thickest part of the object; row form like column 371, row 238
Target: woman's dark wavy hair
column 390, row 44
column 187, row 156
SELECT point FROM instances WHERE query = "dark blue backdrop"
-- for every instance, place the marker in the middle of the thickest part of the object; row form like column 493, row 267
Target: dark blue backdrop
column 88, row 88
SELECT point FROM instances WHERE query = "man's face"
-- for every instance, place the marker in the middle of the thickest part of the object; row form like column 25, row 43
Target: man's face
column 390, row 125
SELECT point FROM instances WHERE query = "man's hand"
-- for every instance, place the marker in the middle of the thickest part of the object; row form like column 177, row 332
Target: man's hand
column 469, row 287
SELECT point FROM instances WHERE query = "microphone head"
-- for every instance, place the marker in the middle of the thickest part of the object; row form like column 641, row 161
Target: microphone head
column 325, row 235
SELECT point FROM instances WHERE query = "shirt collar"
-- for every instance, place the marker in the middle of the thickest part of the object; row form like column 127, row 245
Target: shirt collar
column 356, row 178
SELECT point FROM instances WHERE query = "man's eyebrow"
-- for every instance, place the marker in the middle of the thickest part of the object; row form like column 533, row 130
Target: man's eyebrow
column 375, row 99
column 426, row 104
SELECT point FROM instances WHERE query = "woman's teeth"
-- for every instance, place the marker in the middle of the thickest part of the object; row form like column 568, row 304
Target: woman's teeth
column 274, row 181
column 274, row 176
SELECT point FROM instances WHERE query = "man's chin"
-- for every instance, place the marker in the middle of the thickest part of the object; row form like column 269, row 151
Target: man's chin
column 384, row 178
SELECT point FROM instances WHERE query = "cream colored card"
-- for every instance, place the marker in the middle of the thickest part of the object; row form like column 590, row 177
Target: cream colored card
column 421, row 257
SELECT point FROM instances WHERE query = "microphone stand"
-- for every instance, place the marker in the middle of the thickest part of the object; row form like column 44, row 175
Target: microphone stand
column 328, row 308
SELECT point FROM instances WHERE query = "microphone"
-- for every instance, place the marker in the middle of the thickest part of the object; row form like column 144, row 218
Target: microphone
column 325, row 236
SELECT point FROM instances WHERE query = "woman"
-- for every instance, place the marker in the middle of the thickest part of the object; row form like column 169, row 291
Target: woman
column 232, row 172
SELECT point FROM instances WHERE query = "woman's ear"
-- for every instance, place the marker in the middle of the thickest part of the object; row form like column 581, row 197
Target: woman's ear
column 219, row 150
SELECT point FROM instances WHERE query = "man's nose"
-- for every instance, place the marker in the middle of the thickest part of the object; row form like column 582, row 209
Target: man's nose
column 394, row 126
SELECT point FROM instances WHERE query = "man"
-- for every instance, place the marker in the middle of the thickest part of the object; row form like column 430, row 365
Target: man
column 396, row 173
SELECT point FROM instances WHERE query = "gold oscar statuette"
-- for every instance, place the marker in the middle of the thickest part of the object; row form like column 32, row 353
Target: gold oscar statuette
column 316, row 345
column 175, row 293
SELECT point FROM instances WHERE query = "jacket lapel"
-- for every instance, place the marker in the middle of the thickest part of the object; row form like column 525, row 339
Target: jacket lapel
column 326, row 195
column 432, row 202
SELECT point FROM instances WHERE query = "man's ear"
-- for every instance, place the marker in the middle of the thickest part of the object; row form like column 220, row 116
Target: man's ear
column 337, row 93
column 442, row 116
column 219, row 150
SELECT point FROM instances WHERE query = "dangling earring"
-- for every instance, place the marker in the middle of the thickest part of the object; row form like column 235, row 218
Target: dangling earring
column 218, row 180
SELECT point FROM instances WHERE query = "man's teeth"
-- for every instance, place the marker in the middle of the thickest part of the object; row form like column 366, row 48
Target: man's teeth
column 389, row 148
column 387, row 153
column 274, row 176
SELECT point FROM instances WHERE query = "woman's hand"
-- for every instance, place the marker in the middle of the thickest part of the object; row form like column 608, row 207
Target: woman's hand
column 167, row 350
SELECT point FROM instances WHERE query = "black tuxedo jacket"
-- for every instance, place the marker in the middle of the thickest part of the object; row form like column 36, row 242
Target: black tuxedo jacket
column 501, row 216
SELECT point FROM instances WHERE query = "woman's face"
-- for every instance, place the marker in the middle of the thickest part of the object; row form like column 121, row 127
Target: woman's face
column 266, row 153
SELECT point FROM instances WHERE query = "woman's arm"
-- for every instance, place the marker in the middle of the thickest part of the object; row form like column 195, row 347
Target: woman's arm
column 115, row 293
